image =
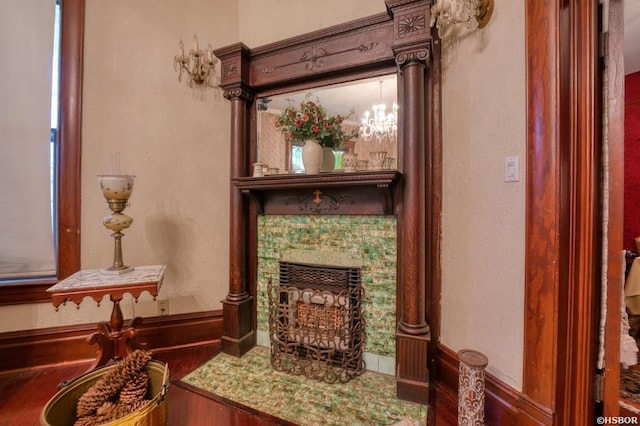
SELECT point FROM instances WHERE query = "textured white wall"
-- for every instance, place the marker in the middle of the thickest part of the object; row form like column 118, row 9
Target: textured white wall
column 483, row 102
column 268, row 21
column 173, row 138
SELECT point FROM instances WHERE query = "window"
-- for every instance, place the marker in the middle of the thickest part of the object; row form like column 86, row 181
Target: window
column 66, row 154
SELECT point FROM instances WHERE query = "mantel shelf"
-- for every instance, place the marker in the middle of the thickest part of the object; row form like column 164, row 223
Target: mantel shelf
column 322, row 180
column 366, row 192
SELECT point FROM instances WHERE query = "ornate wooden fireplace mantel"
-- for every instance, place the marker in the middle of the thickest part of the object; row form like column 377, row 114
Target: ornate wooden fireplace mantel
column 368, row 192
column 398, row 41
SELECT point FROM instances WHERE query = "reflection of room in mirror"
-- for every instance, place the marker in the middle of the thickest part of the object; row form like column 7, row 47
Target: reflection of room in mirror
column 272, row 146
column 365, row 148
column 357, row 97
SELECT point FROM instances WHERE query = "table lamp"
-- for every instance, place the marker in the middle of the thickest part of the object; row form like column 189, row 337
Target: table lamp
column 117, row 189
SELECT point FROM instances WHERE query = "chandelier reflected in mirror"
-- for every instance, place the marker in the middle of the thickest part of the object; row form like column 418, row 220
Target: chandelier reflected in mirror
column 381, row 125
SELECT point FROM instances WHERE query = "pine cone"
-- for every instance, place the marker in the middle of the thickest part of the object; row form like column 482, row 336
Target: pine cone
column 95, row 397
column 122, row 410
column 85, row 421
column 135, row 390
column 106, row 409
column 111, row 383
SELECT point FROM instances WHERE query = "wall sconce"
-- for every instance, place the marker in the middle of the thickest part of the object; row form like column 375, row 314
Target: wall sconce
column 473, row 14
column 199, row 65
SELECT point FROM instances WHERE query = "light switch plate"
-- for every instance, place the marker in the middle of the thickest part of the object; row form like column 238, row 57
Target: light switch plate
column 512, row 169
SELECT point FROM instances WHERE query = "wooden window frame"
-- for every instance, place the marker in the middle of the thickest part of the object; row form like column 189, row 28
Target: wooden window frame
column 68, row 161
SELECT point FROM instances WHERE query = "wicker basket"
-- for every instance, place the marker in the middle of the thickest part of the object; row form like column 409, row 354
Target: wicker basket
column 61, row 408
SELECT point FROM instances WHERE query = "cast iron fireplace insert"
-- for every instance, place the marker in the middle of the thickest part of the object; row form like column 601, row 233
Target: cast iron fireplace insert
column 316, row 326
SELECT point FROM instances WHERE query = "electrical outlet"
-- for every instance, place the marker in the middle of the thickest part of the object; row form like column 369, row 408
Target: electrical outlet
column 163, row 307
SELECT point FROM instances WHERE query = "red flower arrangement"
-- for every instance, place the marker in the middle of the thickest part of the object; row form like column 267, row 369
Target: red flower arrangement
column 310, row 121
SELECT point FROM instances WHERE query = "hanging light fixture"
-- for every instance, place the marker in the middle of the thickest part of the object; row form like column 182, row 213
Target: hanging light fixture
column 472, row 14
column 380, row 124
column 199, row 65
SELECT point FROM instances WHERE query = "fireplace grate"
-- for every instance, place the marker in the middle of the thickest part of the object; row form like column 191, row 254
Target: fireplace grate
column 315, row 322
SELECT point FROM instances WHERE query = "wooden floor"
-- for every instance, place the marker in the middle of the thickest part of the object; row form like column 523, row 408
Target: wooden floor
column 24, row 393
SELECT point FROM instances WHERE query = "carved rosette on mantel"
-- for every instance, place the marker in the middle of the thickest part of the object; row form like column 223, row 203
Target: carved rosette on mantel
column 396, row 41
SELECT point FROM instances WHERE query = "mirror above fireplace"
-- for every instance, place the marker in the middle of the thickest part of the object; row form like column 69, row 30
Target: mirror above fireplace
column 354, row 100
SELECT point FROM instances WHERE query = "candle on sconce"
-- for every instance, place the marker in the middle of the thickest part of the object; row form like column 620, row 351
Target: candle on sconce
column 115, row 163
column 198, row 64
column 195, row 43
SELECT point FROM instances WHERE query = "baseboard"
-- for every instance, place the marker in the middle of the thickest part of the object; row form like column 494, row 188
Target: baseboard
column 54, row 345
column 503, row 404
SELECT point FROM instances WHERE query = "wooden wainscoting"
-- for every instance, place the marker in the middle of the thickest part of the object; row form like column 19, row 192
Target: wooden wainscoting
column 503, row 404
column 46, row 346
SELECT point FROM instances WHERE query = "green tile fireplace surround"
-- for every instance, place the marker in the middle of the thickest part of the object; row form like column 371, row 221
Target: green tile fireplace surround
column 368, row 241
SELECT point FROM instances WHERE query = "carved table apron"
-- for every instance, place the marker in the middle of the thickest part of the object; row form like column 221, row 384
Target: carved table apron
column 115, row 341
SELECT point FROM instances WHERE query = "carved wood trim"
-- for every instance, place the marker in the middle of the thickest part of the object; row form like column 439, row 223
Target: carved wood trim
column 312, row 58
column 561, row 209
column 321, row 57
column 361, row 24
column 238, row 93
column 412, row 55
column 340, row 193
column 322, row 180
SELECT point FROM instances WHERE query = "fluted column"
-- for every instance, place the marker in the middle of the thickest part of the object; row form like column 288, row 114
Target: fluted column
column 412, row 335
column 238, row 336
column 413, row 320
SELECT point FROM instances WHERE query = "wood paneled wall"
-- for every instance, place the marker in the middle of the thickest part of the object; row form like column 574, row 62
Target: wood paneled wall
column 33, row 348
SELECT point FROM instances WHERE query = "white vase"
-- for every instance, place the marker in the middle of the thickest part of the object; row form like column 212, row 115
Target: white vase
column 328, row 160
column 311, row 156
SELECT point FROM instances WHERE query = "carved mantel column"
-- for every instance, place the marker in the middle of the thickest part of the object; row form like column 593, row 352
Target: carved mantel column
column 238, row 336
column 412, row 64
column 411, row 50
column 237, row 255
column 413, row 334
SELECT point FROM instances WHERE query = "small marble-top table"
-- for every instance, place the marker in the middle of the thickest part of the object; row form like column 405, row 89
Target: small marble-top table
column 115, row 341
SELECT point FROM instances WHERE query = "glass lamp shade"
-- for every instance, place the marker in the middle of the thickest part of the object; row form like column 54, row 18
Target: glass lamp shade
column 116, row 187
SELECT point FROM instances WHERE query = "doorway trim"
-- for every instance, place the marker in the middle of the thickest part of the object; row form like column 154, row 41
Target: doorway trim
column 562, row 210
column 614, row 139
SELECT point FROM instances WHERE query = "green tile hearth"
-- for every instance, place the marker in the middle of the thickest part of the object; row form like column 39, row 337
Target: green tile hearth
column 366, row 400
